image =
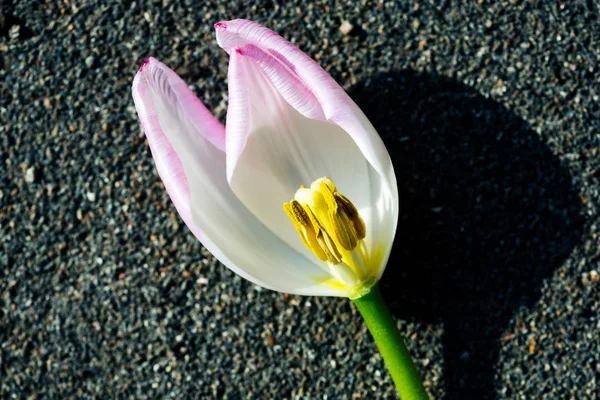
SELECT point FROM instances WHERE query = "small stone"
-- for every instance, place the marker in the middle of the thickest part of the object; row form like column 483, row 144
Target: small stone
column 270, row 340
column 202, row 281
column 91, row 196
column 346, row 27
column 30, row 175
column 90, row 61
column 594, row 276
column 14, row 32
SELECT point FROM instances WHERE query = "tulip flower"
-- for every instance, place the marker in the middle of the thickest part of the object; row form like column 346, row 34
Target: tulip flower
column 297, row 194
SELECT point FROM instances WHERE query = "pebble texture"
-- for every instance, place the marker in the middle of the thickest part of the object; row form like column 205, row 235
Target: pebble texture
column 490, row 111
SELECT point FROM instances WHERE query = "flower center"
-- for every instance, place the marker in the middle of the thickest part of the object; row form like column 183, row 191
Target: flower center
column 330, row 226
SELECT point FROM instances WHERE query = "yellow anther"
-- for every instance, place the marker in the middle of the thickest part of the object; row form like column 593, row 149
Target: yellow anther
column 304, row 224
column 352, row 213
column 341, row 225
column 327, row 221
column 328, row 246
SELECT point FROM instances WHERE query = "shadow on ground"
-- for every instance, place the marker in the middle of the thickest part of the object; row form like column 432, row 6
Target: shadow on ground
column 487, row 213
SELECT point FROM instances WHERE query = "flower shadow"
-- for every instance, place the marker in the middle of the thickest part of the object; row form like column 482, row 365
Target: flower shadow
column 487, row 214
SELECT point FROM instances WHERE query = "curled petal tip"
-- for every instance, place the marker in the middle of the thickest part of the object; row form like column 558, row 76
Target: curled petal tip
column 146, row 62
column 221, row 25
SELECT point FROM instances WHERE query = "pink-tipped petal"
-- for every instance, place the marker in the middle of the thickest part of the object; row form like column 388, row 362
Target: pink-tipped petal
column 187, row 143
column 281, row 149
column 286, row 82
column 156, row 83
column 337, row 108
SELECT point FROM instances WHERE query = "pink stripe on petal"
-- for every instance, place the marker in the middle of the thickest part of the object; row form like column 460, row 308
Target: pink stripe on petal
column 238, row 33
column 200, row 116
column 167, row 162
column 287, row 83
column 337, row 106
column 250, row 59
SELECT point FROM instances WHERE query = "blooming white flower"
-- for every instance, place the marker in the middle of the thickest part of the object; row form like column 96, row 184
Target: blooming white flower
column 289, row 125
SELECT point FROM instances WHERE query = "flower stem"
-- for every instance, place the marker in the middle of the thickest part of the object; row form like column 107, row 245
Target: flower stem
column 383, row 328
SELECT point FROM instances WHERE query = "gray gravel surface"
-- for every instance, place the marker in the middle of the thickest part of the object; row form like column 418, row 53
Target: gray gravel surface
column 490, row 111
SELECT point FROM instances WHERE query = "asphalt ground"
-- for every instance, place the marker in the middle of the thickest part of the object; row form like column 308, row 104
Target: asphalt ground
column 490, row 112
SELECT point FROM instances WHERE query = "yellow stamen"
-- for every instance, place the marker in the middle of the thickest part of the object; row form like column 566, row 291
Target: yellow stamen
column 304, row 224
column 329, row 225
column 353, row 215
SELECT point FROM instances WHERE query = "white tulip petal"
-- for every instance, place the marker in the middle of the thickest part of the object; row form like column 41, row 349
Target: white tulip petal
column 337, row 108
column 226, row 227
column 285, row 149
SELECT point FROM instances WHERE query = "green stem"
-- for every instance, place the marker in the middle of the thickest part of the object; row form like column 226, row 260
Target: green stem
column 382, row 326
